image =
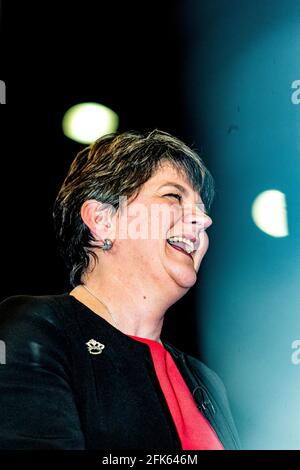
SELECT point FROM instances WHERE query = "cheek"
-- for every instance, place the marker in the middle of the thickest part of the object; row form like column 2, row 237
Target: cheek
column 160, row 220
column 136, row 256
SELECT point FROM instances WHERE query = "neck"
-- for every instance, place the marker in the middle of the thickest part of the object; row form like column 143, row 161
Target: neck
column 132, row 307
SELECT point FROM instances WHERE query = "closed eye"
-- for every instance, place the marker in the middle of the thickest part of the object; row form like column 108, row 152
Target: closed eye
column 177, row 196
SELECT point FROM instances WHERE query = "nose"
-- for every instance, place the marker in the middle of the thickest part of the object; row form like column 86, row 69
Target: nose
column 207, row 221
column 198, row 217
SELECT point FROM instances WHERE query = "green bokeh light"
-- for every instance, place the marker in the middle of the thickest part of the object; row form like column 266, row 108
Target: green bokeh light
column 86, row 122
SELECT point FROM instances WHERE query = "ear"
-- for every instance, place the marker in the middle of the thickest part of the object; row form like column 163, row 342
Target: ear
column 99, row 218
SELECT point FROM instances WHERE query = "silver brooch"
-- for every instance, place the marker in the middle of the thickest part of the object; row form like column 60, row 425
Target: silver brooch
column 94, row 347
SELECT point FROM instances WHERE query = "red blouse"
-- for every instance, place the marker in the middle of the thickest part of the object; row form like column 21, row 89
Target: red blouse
column 194, row 431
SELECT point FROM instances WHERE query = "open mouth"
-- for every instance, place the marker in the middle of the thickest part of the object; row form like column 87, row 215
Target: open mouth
column 182, row 244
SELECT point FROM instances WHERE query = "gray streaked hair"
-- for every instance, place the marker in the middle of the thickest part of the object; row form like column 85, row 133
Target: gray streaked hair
column 117, row 165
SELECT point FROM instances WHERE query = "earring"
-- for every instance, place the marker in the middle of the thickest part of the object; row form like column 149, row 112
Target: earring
column 107, row 245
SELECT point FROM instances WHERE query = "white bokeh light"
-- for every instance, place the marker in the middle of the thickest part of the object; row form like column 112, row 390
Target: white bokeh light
column 86, row 122
column 269, row 213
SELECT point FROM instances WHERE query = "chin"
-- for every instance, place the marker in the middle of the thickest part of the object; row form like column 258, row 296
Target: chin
column 182, row 271
column 188, row 281
column 185, row 277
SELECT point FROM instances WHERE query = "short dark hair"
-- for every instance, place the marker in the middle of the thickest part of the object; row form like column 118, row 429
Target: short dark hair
column 117, row 165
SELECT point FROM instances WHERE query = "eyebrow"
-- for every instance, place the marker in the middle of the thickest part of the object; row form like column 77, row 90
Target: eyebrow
column 180, row 188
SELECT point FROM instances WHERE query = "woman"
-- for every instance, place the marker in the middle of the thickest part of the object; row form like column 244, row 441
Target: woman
column 88, row 369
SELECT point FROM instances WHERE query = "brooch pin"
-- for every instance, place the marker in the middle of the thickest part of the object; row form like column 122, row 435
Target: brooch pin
column 94, row 347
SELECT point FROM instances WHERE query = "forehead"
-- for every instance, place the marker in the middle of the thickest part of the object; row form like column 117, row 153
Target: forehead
column 166, row 172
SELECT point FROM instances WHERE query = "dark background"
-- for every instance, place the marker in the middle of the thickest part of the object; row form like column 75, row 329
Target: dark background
column 218, row 74
column 128, row 56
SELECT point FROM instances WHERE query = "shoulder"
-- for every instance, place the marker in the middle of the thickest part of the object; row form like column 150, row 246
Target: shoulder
column 206, row 375
column 37, row 376
column 28, row 309
column 33, row 326
column 207, row 379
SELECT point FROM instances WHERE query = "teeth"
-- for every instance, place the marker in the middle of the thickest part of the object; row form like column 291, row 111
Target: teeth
column 188, row 242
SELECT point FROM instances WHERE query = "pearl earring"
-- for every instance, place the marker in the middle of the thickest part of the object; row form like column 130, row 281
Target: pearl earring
column 107, row 245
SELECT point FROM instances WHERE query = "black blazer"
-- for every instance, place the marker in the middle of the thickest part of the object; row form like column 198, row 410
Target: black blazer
column 55, row 394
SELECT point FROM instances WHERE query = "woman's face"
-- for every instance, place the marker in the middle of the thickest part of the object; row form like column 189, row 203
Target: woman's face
column 166, row 206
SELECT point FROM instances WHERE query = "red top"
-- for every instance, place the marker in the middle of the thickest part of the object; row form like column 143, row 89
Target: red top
column 194, row 431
